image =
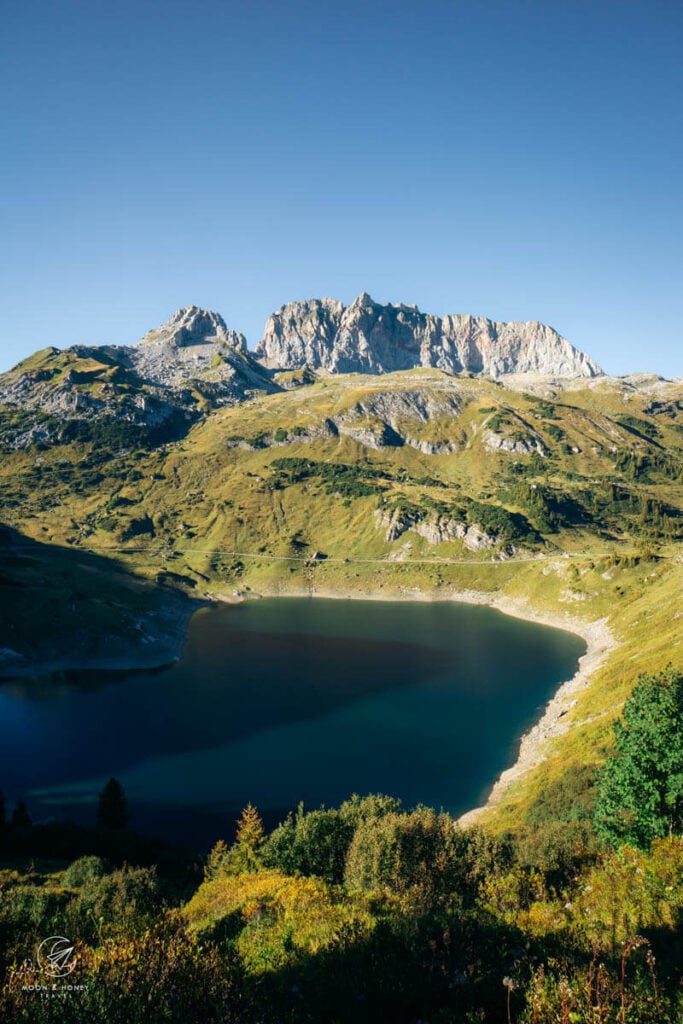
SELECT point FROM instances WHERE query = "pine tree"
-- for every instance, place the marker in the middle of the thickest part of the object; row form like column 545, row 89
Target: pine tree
column 112, row 811
column 640, row 790
column 3, row 810
column 216, row 861
column 245, row 853
column 20, row 816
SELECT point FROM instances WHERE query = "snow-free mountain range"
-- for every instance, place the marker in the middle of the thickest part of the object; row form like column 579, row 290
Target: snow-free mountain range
column 321, row 335
column 367, row 337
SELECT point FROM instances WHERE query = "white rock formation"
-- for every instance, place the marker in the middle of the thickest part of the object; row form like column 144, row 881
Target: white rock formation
column 192, row 343
column 367, row 337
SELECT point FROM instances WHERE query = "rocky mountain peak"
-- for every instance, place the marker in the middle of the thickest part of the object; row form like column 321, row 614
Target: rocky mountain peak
column 362, row 300
column 368, row 337
column 196, row 345
column 194, row 326
column 191, row 363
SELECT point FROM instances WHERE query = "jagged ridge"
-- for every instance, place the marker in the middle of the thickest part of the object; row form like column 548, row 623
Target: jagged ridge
column 367, row 337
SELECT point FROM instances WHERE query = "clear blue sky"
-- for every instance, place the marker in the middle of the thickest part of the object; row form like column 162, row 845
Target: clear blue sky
column 519, row 160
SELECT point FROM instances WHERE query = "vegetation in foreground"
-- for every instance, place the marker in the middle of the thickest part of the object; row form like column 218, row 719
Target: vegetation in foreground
column 372, row 913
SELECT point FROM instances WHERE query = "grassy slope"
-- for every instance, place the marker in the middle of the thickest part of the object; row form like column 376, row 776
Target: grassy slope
column 208, row 510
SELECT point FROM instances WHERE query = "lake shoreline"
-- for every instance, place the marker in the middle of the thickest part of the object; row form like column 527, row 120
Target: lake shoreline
column 533, row 748
column 157, row 653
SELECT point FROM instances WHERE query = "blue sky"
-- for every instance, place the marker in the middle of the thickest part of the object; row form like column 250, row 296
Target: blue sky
column 508, row 158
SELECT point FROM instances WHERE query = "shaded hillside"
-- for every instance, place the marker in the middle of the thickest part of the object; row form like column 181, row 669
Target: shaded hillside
column 62, row 608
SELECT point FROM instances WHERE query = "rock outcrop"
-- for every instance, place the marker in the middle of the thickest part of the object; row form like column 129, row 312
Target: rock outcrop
column 192, row 343
column 436, row 529
column 177, row 371
column 392, row 418
column 367, row 337
column 517, row 445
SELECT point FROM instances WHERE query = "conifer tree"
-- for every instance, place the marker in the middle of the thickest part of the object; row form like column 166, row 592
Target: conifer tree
column 20, row 816
column 245, row 854
column 112, row 811
column 216, row 860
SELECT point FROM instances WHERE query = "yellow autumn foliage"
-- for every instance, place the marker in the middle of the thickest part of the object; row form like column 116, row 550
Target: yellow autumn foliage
column 273, row 916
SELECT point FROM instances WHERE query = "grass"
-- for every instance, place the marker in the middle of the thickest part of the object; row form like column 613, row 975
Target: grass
column 602, row 539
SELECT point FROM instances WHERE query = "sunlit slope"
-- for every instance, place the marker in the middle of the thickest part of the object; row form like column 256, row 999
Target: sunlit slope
column 563, row 499
column 357, row 467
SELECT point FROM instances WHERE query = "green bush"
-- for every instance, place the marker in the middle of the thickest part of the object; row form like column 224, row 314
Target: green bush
column 340, row 478
column 315, row 843
column 85, row 871
column 499, row 522
column 123, row 902
column 398, row 851
column 640, row 790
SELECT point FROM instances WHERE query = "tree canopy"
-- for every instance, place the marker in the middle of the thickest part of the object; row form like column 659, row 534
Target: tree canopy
column 112, row 811
column 640, row 790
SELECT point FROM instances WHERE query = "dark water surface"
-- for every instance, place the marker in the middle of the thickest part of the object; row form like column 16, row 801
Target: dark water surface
column 278, row 701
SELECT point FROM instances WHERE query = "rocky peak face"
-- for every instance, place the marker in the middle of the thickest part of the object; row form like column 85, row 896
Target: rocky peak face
column 194, row 343
column 301, row 330
column 367, row 337
column 194, row 326
column 189, row 364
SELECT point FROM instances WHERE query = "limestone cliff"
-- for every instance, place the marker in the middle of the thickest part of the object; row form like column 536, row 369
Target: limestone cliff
column 367, row 337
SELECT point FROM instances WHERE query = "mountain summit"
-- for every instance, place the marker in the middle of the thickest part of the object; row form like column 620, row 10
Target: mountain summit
column 190, row 344
column 191, row 363
column 194, row 326
column 367, row 337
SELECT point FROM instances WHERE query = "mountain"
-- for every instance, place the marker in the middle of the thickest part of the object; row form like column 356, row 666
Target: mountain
column 420, row 480
column 192, row 344
column 174, row 374
column 367, row 337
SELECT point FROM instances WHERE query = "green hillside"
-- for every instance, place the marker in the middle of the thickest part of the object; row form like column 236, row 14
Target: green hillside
column 564, row 504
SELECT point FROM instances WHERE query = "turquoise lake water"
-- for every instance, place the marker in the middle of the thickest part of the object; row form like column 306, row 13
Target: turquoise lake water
column 278, row 701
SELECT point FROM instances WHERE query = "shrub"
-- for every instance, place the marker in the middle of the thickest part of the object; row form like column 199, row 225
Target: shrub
column 315, row 843
column 640, row 790
column 398, row 851
column 124, row 902
column 84, row 871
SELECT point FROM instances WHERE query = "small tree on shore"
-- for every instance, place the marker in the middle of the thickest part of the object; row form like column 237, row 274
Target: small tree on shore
column 112, row 811
column 20, row 816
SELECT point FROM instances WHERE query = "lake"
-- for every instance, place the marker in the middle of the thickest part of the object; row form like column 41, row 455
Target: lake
column 289, row 699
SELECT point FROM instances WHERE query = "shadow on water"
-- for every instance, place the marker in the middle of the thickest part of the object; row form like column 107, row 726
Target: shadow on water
column 281, row 700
